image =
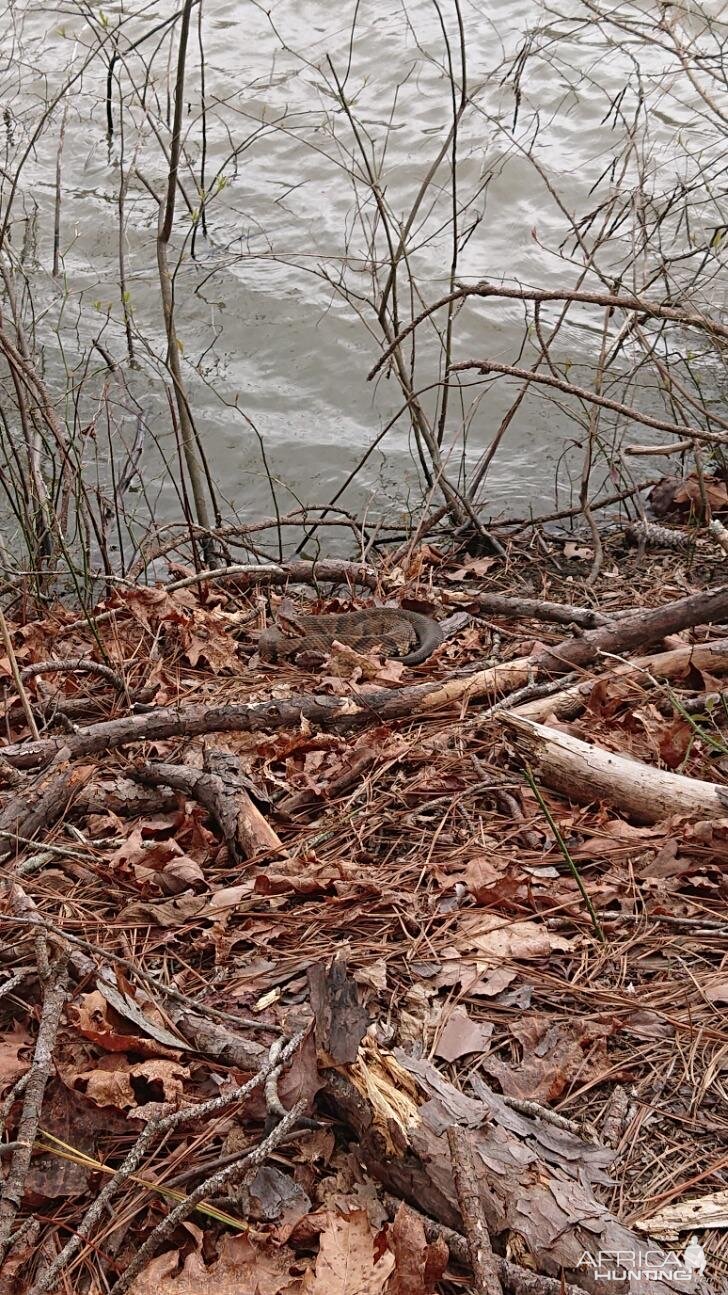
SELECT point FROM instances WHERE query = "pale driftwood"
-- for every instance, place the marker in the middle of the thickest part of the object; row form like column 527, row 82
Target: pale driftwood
column 586, row 773
column 712, row 657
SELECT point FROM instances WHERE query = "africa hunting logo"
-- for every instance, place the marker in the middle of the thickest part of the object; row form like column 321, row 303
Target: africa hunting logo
column 646, row 1265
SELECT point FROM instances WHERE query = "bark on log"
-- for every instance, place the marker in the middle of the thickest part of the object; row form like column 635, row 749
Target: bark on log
column 585, row 773
column 538, row 1179
column 711, row 657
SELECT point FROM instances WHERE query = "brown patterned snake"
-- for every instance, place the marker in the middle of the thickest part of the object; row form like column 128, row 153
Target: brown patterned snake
column 408, row 636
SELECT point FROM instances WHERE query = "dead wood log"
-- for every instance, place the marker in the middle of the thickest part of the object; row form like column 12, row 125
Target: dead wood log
column 222, row 788
column 585, row 773
column 511, row 607
column 647, row 626
column 539, row 1179
column 711, row 657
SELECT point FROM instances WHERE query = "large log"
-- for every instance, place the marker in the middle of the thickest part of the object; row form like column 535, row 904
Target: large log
column 586, row 773
column 536, row 1180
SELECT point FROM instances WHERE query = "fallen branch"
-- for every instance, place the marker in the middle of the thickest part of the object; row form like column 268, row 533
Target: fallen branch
column 78, row 665
column 611, row 300
column 220, row 787
column 152, row 1131
column 39, row 806
column 327, row 571
column 585, row 773
column 647, row 626
column 265, row 717
column 517, row 608
column 469, row 1186
column 515, row 1280
column 211, row 1187
column 54, row 998
column 675, row 664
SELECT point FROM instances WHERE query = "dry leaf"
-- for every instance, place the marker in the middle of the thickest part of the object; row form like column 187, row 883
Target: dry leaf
column 418, row 1265
column 491, row 935
column 346, row 1263
column 12, row 1065
column 240, row 1267
column 462, row 1036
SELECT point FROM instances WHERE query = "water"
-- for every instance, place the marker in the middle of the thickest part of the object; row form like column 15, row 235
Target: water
column 274, row 312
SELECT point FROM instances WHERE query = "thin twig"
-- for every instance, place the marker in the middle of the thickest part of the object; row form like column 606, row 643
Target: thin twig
column 17, row 678
column 54, row 998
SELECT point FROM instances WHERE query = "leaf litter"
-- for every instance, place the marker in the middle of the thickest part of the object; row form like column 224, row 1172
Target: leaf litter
column 416, row 928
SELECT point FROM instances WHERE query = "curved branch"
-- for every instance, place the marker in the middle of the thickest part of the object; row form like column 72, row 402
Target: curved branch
column 616, row 301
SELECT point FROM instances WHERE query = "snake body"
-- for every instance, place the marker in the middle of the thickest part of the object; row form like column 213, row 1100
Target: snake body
column 408, row 636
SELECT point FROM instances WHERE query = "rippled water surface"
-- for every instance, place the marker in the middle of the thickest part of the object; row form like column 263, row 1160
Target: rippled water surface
column 313, row 112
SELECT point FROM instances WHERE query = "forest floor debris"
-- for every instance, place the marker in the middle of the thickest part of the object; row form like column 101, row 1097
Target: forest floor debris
column 265, row 983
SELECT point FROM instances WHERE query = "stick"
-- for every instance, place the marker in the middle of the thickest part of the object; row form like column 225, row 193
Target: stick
column 516, row 1280
column 131, row 1162
column 27, row 708
column 220, row 789
column 482, row 1259
column 54, row 998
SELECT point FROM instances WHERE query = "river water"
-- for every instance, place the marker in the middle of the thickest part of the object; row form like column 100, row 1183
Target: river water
column 314, row 113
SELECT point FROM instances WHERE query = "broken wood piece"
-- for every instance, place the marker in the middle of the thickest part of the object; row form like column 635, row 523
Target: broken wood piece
column 585, row 773
column 222, row 791
column 40, row 805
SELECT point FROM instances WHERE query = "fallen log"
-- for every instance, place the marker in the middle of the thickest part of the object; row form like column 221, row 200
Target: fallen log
column 535, row 1181
column 624, row 636
column 584, row 773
